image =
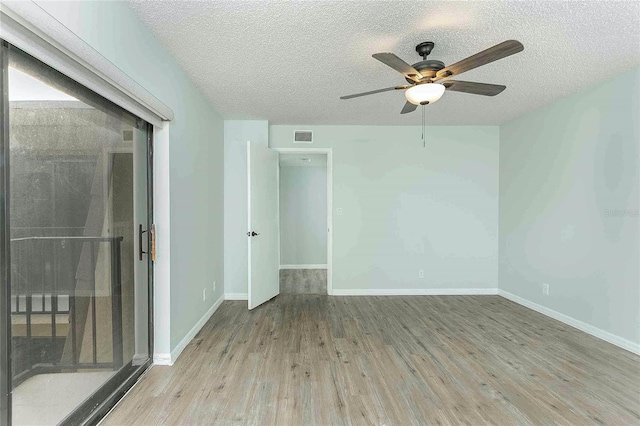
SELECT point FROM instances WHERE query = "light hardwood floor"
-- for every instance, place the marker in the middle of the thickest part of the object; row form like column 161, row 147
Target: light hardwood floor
column 310, row 359
column 303, row 281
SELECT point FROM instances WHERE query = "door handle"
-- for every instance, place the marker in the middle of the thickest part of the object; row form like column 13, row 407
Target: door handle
column 252, row 234
column 140, row 251
column 152, row 243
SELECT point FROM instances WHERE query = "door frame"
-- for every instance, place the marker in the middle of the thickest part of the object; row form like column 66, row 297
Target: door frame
column 329, row 154
column 5, row 248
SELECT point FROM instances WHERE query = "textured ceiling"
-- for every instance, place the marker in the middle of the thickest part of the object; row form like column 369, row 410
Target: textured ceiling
column 289, row 62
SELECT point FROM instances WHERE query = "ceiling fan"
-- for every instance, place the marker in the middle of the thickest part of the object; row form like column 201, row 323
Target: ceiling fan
column 429, row 78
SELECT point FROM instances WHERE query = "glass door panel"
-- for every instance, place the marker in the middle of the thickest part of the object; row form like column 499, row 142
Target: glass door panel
column 79, row 284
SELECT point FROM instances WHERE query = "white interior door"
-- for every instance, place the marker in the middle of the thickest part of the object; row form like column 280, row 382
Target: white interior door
column 264, row 233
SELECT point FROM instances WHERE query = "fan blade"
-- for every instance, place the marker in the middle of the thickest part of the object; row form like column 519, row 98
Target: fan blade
column 399, row 65
column 499, row 51
column 472, row 87
column 408, row 107
column 388, row 89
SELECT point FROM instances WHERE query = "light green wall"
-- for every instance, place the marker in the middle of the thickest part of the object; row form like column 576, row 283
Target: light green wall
column 303, row 215
column 407, row 208
column 195, row 151
column 569, row 206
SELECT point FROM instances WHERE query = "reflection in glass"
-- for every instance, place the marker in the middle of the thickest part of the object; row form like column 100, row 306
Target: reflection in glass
column 78, row 193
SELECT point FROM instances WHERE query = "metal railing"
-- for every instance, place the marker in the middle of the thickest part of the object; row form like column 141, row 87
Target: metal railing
column 53, row 280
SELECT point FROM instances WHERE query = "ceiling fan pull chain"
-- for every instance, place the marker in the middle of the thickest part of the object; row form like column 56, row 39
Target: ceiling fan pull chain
column 424, row 142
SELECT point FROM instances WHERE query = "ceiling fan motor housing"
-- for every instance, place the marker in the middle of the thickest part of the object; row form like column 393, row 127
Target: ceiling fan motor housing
column 428, row 68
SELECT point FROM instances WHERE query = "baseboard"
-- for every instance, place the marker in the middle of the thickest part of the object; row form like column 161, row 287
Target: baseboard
column 162, row 359
column 318, row 266
column 236, row 296
column 415, row 292
column 170, row 359
column 580, row 325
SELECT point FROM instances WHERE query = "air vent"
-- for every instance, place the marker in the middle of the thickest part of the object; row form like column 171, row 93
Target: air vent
column 127, row 135
column 303, row 136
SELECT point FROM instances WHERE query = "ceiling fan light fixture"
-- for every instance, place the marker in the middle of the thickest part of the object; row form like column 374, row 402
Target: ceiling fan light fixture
column 421, row 93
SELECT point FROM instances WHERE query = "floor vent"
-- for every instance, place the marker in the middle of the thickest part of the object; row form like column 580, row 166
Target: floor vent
column 302, row 136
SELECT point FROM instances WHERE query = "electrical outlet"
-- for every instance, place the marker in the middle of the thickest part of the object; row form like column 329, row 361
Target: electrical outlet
column 339, row 211
column 545, row 289
column 214, row 286
column 204, row 294
column 420, row 273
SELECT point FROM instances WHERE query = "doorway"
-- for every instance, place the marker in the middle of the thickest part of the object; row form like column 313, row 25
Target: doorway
column 263, row 230
column 76, row 288
column 304, row 216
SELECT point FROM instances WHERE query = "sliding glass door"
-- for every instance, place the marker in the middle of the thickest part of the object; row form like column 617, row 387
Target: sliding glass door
column 76, row 269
